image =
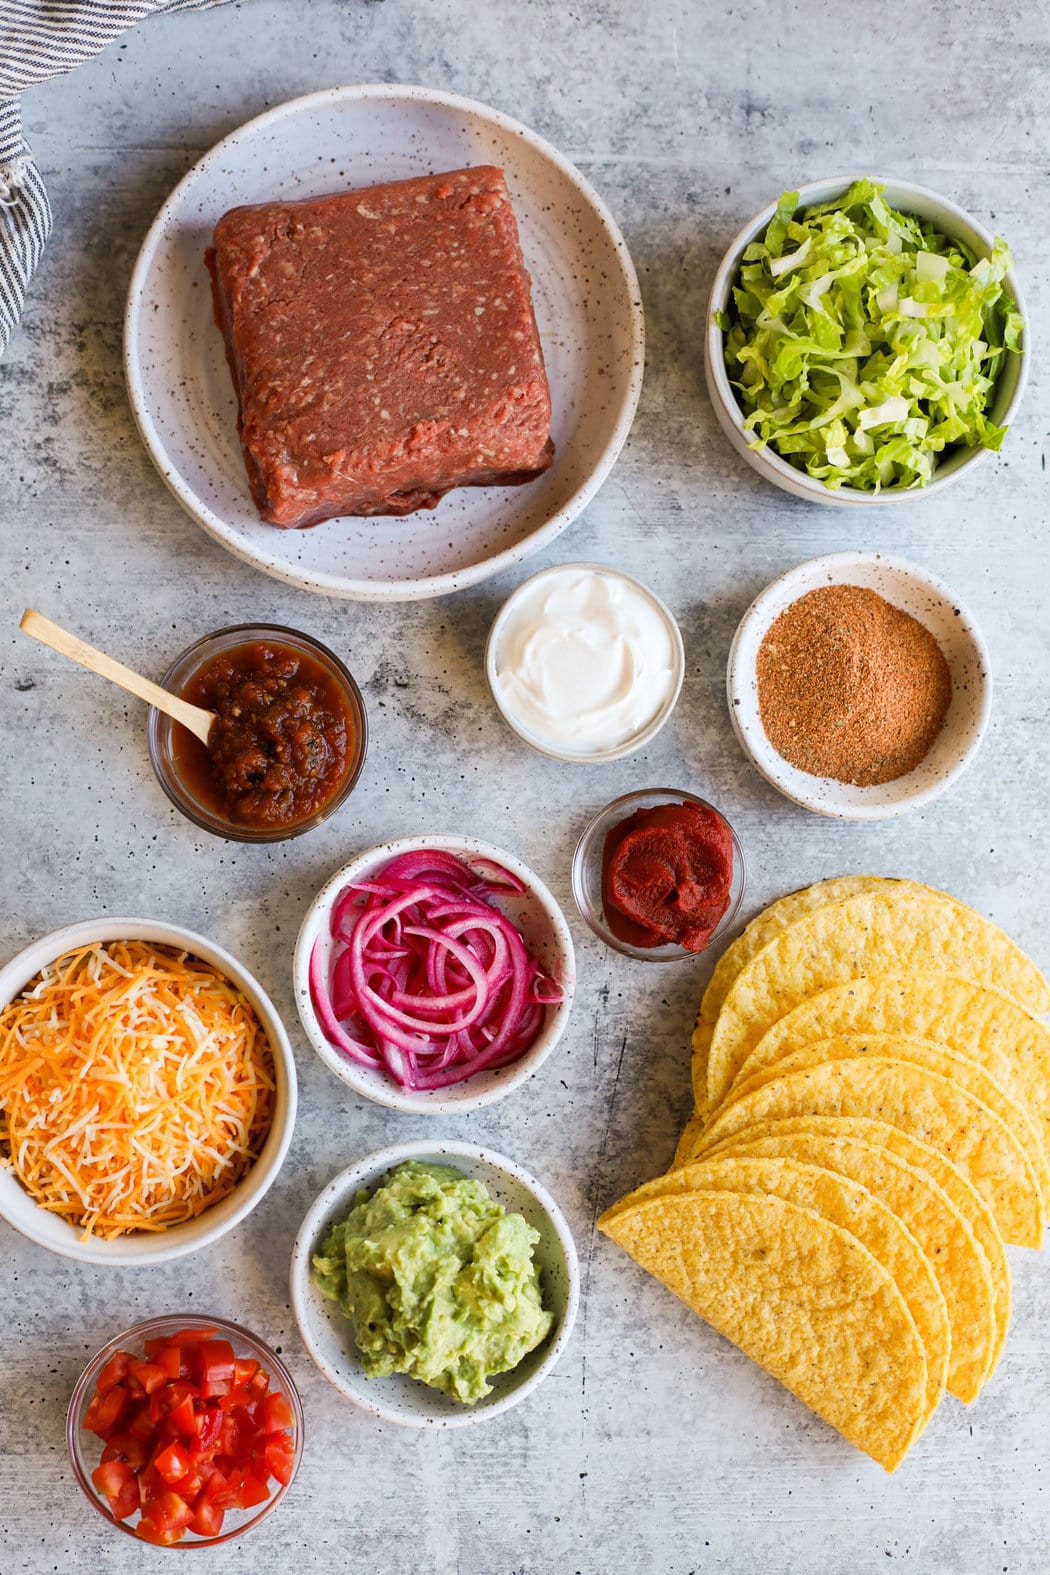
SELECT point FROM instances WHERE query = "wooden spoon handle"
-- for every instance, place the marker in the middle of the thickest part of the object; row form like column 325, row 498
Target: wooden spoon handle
column 192, row 716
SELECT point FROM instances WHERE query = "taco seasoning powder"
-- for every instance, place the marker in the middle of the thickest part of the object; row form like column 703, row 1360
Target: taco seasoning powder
column 850, row 687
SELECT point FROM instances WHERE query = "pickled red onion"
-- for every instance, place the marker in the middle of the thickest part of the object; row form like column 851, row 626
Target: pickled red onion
column 430, row 981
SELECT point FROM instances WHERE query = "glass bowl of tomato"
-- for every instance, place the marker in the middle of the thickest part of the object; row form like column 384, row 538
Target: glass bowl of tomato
column 185, row 1431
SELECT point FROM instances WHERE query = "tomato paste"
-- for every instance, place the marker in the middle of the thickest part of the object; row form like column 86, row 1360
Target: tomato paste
column 666, row 876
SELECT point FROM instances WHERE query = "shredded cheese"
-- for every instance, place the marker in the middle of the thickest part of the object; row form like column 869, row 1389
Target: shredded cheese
column 136, row 1087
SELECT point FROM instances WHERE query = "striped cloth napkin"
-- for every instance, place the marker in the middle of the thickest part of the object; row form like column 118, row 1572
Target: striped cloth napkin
column 40, row 39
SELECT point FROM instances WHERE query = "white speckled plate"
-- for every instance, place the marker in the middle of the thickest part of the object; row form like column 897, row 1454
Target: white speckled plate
column 925, row 598
column 329, row 1338
column 587, row 303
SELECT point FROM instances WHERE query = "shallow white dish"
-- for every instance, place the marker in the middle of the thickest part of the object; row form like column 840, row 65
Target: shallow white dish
column 546, row 934
column 587, row 304
column 925, row 598
column 637, row 740
column 47, row 1229
column 328, row 1336
column 951, row 220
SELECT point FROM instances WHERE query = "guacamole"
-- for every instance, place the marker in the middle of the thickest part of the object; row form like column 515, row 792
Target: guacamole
column 437, row 1280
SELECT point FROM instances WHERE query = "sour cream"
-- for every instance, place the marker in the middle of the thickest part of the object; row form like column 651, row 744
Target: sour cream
column 585, row 662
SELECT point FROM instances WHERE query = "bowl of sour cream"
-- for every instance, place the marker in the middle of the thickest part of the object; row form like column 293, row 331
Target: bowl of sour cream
column 585, row 663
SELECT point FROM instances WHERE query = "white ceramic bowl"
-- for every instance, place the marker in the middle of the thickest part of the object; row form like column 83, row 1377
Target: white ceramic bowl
column 950, row 220
column 585, row 293
column 329, row 1339
column 47, row 1229
column 546, row 934
column 637, row 740
column 925, row 598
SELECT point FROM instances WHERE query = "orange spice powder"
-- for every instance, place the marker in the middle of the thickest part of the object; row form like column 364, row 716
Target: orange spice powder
column 851, row 687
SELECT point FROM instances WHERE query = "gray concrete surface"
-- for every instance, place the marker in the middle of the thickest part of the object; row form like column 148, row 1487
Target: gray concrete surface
column 655, row 1447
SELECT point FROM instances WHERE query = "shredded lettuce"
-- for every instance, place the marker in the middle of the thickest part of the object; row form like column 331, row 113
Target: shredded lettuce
column 862, row 342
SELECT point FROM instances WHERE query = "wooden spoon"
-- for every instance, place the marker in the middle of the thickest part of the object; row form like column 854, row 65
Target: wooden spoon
column 192, row 716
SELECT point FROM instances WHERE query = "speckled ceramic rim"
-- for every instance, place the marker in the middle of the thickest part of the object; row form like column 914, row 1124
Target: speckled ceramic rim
column 178, row 675
column 639, row 740
column 826, row 796
column 365, row 1173
column 132, row 1339
column 133, row 1251
column 459, row 1098
column 339, row 585
column 600, row 824
column 909, row 198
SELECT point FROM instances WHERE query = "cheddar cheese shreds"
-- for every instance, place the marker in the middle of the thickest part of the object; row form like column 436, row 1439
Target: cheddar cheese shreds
column 136, row 1087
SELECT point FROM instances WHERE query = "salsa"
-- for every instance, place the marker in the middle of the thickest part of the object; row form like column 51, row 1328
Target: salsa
column 282, row 741
column 666, row 876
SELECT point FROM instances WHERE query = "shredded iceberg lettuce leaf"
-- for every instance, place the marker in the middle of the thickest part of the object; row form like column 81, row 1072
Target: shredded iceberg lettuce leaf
column 862, row 343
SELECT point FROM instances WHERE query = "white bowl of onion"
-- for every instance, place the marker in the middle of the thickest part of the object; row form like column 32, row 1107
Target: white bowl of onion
column 370, row 1043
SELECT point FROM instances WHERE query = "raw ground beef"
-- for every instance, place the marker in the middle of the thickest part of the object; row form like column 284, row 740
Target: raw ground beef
column 383, row 346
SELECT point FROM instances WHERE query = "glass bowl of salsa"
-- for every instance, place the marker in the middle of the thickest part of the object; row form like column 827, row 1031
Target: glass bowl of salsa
column 659, row 875
column 288, row 742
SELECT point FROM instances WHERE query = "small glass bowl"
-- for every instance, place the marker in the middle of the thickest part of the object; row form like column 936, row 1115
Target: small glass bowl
column 161, row 727
column 587, row 872
column 85, row 1448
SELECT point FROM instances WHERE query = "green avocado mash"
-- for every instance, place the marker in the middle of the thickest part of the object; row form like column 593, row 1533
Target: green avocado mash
column 437, row 1280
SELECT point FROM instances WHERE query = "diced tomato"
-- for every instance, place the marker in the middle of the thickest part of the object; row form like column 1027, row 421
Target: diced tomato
column 105, row 1411
column 209, row 1427
column 279, row 1454
column 123, row 1447
column 170, row 1511
column 189, row 1430
column 152, row 1533
column 140, row 1423
column 276, row 1413
column 240, row 1396
column 170, row 1358
column 151, row 1486
column 182, row 1419
column 165, row 1400
column 219, row 1490
column 150, row 1375
column 244, row 1370
column 207, row 1518
column 114, row 1372
column 116, row 1482
column 252, row 1491
column 217, row 1368
column 172, row 1463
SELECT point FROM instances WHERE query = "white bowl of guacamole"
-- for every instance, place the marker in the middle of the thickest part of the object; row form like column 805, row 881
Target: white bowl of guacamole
column 435, row 1284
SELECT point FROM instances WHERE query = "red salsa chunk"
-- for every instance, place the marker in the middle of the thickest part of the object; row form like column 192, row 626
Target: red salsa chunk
column 666, row 876
column 282, row 741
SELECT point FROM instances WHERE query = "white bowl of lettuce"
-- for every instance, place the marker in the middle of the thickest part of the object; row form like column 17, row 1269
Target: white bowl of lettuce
column 865, row 342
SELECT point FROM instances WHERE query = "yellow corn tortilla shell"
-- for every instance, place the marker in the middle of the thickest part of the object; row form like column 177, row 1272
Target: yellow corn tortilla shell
column 689, row 1142
column 968, row 1019
column 849, row 1205
column 787, row 910
column 799, row 1295
column 875, row 932
column 963, row 1195
column 932, row 1108
column 925, row 1209
column 924, row 1052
